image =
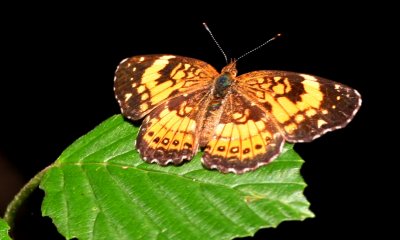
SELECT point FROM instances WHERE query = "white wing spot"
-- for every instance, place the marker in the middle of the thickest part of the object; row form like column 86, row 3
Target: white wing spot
column 321, row 122
column 169, row 161
column 128, row 96
column 309, row 77
column 166, row 57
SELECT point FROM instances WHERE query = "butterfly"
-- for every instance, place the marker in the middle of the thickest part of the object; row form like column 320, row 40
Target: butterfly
column 241, row 122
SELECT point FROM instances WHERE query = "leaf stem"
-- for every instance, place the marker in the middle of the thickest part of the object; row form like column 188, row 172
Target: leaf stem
column 23, row 194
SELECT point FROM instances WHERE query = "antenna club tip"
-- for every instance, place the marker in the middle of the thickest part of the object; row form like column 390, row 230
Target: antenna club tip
column 276, row 36
column 205, row 26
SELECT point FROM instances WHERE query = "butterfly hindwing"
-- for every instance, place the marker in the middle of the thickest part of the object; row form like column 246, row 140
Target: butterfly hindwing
column 244, row 139
column 143, row 82
column 169, row 134
column 303, row 106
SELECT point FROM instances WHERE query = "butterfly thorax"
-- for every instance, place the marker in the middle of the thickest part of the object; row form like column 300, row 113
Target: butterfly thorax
column 222, row 86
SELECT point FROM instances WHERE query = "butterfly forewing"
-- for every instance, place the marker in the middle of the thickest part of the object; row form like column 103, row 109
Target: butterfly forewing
column 143, row 82
column 303, row 106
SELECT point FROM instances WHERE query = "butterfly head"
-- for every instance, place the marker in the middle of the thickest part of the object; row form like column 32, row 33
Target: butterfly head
column 230, row 69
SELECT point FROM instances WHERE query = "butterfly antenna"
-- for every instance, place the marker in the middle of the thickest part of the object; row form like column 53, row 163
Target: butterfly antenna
column 212, row 36
column 260, row 46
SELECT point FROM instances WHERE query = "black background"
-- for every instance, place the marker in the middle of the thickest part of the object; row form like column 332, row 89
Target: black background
column 57, row 80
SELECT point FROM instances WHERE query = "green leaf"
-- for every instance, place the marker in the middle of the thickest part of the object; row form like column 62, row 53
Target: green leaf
column 99, row 188
column 4, row 230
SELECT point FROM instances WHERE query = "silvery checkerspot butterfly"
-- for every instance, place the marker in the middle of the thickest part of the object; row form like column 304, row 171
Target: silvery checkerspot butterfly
column 241, row 121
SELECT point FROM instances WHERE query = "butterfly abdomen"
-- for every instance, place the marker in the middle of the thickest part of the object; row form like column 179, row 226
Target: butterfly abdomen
column 221, row 88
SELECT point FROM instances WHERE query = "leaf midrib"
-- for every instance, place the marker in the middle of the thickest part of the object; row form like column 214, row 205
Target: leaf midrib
column 197, row 181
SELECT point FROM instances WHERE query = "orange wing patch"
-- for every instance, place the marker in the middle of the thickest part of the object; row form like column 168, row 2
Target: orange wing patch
column 244, row 138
